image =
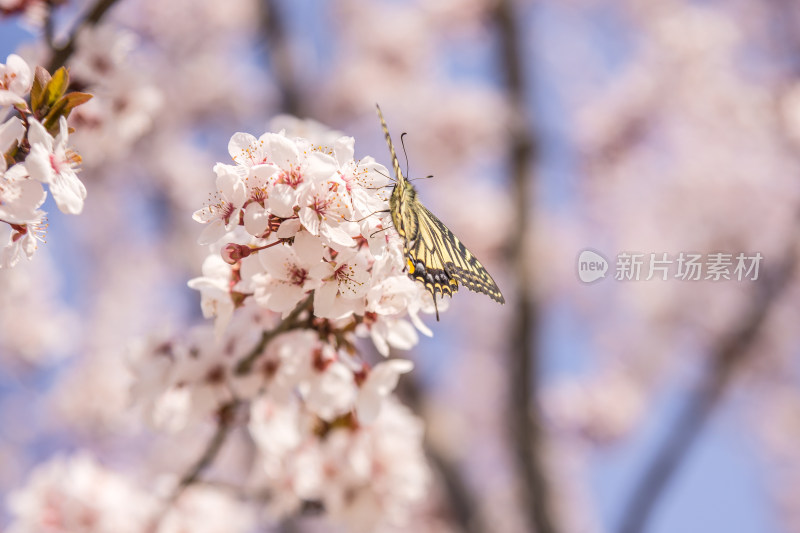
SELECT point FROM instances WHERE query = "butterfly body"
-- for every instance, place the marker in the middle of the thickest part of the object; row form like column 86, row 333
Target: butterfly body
column 434, row 255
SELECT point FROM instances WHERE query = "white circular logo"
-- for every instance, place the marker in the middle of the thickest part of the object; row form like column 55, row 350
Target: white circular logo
column 591, row 266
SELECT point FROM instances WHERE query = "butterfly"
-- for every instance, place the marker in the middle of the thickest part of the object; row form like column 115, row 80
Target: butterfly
column 434, row 255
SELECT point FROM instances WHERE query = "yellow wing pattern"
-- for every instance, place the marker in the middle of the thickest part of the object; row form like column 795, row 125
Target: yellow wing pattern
column 435, row 256
column 446, row 260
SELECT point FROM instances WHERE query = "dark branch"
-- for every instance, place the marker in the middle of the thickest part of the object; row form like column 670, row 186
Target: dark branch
column 62, row 54
column 227, row 416
column 290, row 322
column 525, row 420
column 49, row 29
column 273, row 29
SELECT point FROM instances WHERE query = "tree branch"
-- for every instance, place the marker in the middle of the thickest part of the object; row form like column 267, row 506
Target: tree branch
column 732, row 351
column 227, row 416
column 227, row 413
column 62, row 54
column 49, row 27
column 279, row 53
column 290, row 322
column 525, row 420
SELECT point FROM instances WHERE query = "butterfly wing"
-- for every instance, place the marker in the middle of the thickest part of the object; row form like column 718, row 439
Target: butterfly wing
column 441, row 260
column 422, row 245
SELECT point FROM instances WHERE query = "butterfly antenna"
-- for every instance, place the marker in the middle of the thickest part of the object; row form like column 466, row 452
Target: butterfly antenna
column 402, row 142
column 382, row 186
column 379, row 231
column 366, row 217
column 425, row 178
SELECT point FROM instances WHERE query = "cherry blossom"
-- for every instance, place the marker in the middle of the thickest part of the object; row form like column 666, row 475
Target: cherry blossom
column 11, row 131
column 20, row 198
column 23, row 239
column 305, row 196
column 51, row 162
column 344, row 286
column 287, row 277
column 16, row 79
column 214, row 286
column 380, row 383
column 364, row 478
column 224, row 215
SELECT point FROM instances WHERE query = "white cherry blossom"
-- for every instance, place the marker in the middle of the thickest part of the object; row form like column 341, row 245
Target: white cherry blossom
column 51, row 162
column 344, row 284
column 20, row 198
column 379, row 385
column 224, row 214
column 214, row 286
column 23, row 239
column 287, row 274
column 16, row 79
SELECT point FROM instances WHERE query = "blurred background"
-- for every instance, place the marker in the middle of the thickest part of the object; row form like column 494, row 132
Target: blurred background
column 625, row 126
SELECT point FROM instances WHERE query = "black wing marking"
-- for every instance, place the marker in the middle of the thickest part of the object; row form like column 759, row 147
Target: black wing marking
column 426, row 262
column 457, row 261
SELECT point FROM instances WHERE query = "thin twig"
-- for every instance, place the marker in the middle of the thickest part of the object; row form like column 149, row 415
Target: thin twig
column 525, row 420
column 93, row 16
column 290, row 322
column 227, row 413
column 227, row 416
column 729, row 356
column 49, row 31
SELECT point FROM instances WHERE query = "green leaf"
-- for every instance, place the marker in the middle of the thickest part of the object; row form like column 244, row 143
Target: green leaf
column 56, row 87
column 54, row 90
column 40, row 80
column 63, row 107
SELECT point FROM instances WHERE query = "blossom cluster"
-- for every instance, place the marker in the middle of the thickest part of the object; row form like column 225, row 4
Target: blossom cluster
column 178, row 382
column 326, row 428
column 295, row 221
column 301, row 264
column 33, row 143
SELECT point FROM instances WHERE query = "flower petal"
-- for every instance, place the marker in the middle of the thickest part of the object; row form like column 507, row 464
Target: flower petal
column 240, row 145
column 344, row 150
column 11, row 131
column 281, row 150
column 68, row 192
column 282, row 199
column 256, row 219
column 38, row 135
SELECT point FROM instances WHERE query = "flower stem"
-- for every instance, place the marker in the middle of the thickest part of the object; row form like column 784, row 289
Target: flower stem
column 290, row 322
